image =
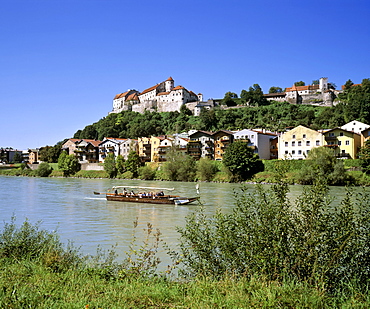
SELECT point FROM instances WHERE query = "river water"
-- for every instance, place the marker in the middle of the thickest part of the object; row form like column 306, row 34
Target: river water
column 69, row 206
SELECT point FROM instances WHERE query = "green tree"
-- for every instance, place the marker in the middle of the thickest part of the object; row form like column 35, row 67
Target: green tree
column 364, row 156
column 179, row 166
column 322, row 164
column 240, row 159
column 274, row 89
column 228, row 99
column 44, row 170
column 110, row 165
column 300, row 83
column 206, row 169
column 17, row 157
column 50, row 154
column 68, row 164
column 254, row 96
column 120, row 164
column 133, row 163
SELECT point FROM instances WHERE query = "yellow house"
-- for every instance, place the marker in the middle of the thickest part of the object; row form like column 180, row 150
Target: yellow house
column 222, row 139
column 345, row 144
column 145, row 148
column 297, row 143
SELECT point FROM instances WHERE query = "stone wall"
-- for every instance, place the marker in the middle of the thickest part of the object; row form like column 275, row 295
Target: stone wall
column 92, row 167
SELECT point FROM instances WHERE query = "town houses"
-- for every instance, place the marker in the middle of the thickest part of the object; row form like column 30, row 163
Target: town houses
column 293, row 144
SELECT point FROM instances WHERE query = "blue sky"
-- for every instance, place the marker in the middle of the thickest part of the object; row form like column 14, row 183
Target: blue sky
column 63, row 61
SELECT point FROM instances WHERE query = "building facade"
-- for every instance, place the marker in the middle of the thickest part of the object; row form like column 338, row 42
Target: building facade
column 163, row 97
column 297, row 143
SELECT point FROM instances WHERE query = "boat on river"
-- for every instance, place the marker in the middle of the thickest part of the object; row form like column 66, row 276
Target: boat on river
column 154, row 196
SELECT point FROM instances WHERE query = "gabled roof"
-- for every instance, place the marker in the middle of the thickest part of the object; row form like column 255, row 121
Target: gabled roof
column 302, row 88
column 339, row 128
column 149, row 89
column 120, row 95
column 179, row 87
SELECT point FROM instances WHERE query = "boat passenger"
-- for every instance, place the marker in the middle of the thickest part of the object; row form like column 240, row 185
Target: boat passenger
column 116, row 192
column 132, row 193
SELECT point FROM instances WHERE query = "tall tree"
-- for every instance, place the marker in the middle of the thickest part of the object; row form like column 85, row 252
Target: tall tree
column 133, row 163
column 110, row 165
column 68, row 164
column 274, row 89
column 241, row 160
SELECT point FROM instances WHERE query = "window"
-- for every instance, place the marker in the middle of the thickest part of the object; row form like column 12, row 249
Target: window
column 317, row 143
column 293, row 151
column 299, row 143
column 343, row 151
column 286, row 152
column 293, row 136
column 347, row 143
column 286, row 144
column 331, row 134
column 307, row 143
column 307, row 151
column 341, row 134
column 293, row 144
column 339, row 143
column 299, row 152
column 304, row 135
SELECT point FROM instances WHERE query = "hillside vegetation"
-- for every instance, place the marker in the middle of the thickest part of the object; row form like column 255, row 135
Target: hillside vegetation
column 352, row 104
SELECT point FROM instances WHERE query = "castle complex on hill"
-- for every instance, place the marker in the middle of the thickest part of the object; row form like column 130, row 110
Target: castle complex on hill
column 163, row 97
column 321, row 94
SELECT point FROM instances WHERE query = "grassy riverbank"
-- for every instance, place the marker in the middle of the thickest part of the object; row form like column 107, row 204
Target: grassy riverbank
column 27, row 284
column 152, row 172
column 36, row 273
column 267, row 253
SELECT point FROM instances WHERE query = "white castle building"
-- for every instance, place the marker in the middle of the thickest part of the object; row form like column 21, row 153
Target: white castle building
column 163, row 97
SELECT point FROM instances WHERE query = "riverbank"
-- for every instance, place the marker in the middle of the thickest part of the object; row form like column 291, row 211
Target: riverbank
column 38, row 272
column 354, row 175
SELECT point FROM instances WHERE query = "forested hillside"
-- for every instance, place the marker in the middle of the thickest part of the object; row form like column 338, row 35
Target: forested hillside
column 354, row 104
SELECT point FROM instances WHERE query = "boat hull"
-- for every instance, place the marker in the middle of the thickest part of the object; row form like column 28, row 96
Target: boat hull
column 151, row 200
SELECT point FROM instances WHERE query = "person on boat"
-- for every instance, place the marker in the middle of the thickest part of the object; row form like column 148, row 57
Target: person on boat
column 116, row 192
column 132, row 193
column 124, row 192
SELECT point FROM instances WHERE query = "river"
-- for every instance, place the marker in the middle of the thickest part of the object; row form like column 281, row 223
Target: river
column 69, row 206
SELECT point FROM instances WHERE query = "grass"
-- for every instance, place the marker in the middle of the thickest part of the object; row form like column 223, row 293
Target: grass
column 31, row 285
column 37, row 272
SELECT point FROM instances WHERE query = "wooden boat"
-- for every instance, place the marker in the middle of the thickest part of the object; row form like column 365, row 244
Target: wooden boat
column 120, row 194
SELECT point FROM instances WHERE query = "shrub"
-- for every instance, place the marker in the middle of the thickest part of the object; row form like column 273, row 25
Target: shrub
column 44, row 170
column 206, row 169
column 309, row 240
column 29, row 242
column 146, row 172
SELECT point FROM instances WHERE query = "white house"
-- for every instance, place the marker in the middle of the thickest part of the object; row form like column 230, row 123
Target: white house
column 355, row 126
column 259, row 140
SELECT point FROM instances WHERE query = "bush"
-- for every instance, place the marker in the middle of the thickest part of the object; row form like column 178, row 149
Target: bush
column 146, row 172
column 44, row 170
column 266, row 235
column 29, row 242
column 206, row 169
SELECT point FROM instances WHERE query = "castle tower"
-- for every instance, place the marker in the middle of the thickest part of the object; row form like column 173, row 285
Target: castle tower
column 169, row 84
column 323, row 84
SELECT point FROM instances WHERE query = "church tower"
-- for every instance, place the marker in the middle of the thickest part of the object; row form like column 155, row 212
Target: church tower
column 169, row 84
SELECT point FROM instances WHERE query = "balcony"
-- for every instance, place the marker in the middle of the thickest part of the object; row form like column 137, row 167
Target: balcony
column 194, row 142
column 330, row 138
column 343, row 156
